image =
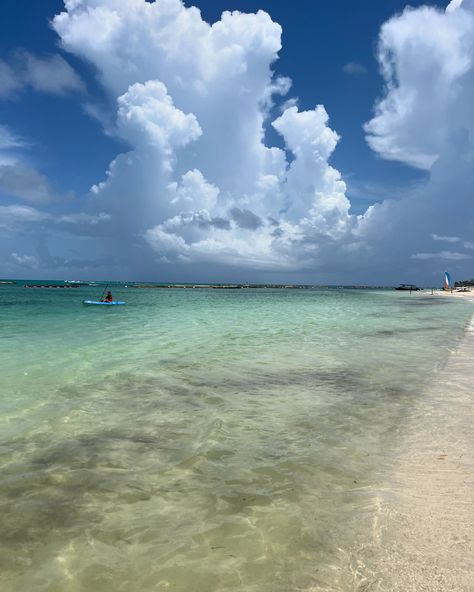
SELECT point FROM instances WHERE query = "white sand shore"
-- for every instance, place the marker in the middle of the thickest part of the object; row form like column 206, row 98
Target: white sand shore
column 424, row 532
column 468, row 295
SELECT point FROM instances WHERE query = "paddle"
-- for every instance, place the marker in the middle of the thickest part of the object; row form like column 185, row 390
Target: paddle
column 102, row 297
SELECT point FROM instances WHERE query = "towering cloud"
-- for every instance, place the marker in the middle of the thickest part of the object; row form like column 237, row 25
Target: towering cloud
column 426, row 120
column 192, row 100
column 426, row 56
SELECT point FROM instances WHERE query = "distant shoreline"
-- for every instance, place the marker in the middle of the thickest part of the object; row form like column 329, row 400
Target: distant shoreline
column 202, row 286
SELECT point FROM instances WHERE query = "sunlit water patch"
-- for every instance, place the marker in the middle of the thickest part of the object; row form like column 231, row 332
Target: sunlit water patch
column 204, row 440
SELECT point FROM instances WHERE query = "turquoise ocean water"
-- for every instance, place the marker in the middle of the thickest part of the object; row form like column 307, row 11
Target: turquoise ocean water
column 204, row 440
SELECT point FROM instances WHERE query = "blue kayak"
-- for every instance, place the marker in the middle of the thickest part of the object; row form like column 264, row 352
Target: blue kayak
column 113, row 303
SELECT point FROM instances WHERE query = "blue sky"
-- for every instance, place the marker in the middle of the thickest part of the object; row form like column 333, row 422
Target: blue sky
column 241, row 177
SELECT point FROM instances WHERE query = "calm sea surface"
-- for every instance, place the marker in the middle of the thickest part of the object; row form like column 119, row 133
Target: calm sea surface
column 204, row 440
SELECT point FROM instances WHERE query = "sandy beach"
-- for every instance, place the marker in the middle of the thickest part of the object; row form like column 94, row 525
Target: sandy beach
column 424, row 532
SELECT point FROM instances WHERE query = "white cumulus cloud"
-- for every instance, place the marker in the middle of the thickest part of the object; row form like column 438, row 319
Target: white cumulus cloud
column 30, row 261
column 8, row 141
column 426, row 120
column 192, row 100
column 448, row 239
column 426, row 58
column 448, row 255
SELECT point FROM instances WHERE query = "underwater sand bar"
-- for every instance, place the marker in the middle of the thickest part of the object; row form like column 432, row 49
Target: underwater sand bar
column 425, row 530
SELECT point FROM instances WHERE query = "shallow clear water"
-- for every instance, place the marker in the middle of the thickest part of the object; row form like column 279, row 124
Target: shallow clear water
column 204, row 440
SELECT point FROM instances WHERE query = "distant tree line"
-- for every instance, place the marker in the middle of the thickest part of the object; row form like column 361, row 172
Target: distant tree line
column 464, row 283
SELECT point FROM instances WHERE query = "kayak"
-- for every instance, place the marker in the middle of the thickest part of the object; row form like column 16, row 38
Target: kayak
column 114, row 302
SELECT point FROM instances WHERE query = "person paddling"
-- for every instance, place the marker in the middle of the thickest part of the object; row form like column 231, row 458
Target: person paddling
column 108, row 298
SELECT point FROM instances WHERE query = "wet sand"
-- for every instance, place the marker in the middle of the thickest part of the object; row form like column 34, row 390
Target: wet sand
column 424, row 532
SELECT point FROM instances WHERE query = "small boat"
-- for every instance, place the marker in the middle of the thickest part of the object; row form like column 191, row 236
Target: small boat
column 100, row 303
column 408, row 287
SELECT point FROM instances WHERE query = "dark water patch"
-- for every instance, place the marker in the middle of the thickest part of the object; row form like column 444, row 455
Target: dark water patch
column 425, row 301
column 141, row 388
column 144, row 439
column 122, row 435
column 241, row 500
column 49, row 491
column 383, row 333
column 35, row 506
column 70, row 453
column 402, row 331
column 380, row 314
column 143, row 400
column 197, row 395
column 70, row 391
column 84, row 451
column 129, row 395
column 251, row 381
